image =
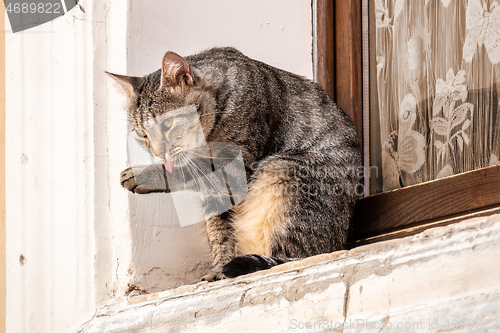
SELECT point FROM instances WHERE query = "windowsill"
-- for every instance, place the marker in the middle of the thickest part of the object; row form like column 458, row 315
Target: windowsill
column 444, row 273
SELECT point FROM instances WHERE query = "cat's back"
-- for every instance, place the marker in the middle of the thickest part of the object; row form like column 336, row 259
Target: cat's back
column 221, row 57
column 229, row 65
column 295, row 109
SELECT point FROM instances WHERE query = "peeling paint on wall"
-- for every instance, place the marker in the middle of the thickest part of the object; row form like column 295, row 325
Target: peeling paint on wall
column 426, row 281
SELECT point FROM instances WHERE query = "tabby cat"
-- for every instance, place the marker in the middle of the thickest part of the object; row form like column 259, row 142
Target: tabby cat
column 299, row 150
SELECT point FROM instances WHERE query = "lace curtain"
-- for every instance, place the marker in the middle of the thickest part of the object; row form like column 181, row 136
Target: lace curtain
column 434, row 111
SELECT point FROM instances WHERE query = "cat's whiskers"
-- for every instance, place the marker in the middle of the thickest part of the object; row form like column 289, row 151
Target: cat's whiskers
column 189, row 168
column 183, row 177
column 202, row 173
column 212, row 157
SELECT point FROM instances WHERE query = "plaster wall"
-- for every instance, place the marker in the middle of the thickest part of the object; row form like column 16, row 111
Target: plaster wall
column 442, row 280
column 76, row 240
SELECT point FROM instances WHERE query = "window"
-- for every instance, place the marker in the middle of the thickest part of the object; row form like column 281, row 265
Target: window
column 444, row 188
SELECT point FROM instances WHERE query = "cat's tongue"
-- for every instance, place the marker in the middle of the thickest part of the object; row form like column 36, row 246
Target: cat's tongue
column 169, row 166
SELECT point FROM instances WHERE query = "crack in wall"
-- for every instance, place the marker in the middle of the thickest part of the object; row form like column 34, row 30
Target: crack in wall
column 346, row 301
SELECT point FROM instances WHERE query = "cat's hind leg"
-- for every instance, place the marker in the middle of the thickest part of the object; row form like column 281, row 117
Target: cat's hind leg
column 292, row 211
column 260, row 219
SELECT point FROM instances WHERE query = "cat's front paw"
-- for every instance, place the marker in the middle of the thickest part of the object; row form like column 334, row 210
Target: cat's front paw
column 144, row 179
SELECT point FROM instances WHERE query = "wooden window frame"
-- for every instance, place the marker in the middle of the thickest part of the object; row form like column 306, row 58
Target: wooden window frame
column 408, row 210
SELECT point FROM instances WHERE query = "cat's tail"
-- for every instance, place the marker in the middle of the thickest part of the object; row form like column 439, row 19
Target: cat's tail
column 252, row 263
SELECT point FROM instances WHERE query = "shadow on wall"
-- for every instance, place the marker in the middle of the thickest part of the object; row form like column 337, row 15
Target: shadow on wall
column 164, row 254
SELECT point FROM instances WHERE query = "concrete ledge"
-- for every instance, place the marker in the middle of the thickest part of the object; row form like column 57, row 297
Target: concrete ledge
column 442, row 279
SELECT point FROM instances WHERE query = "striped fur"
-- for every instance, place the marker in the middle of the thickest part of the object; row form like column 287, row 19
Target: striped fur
column 297, row 144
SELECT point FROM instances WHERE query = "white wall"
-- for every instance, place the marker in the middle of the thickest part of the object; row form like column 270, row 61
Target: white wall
column 83, row 236
column 278, row 32
column 442, row 280
column 50, row 177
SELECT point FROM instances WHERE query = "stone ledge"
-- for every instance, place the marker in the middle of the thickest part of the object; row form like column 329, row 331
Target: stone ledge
column 442, row 275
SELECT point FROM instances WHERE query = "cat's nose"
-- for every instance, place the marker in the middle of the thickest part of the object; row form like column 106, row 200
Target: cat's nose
column 168, row 156
column 158, row 152
column 159, row 157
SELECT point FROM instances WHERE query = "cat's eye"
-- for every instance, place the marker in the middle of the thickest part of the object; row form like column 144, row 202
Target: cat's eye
column 167, row 124
column 140, row 133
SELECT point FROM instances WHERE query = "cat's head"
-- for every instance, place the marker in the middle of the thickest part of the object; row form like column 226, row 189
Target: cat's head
column 167, row 107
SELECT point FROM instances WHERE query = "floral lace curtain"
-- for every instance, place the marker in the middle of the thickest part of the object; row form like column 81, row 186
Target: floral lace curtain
column 436, row 101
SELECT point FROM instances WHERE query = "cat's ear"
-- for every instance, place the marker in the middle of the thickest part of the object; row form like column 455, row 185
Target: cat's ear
column 176, row 75
column 129, row 83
